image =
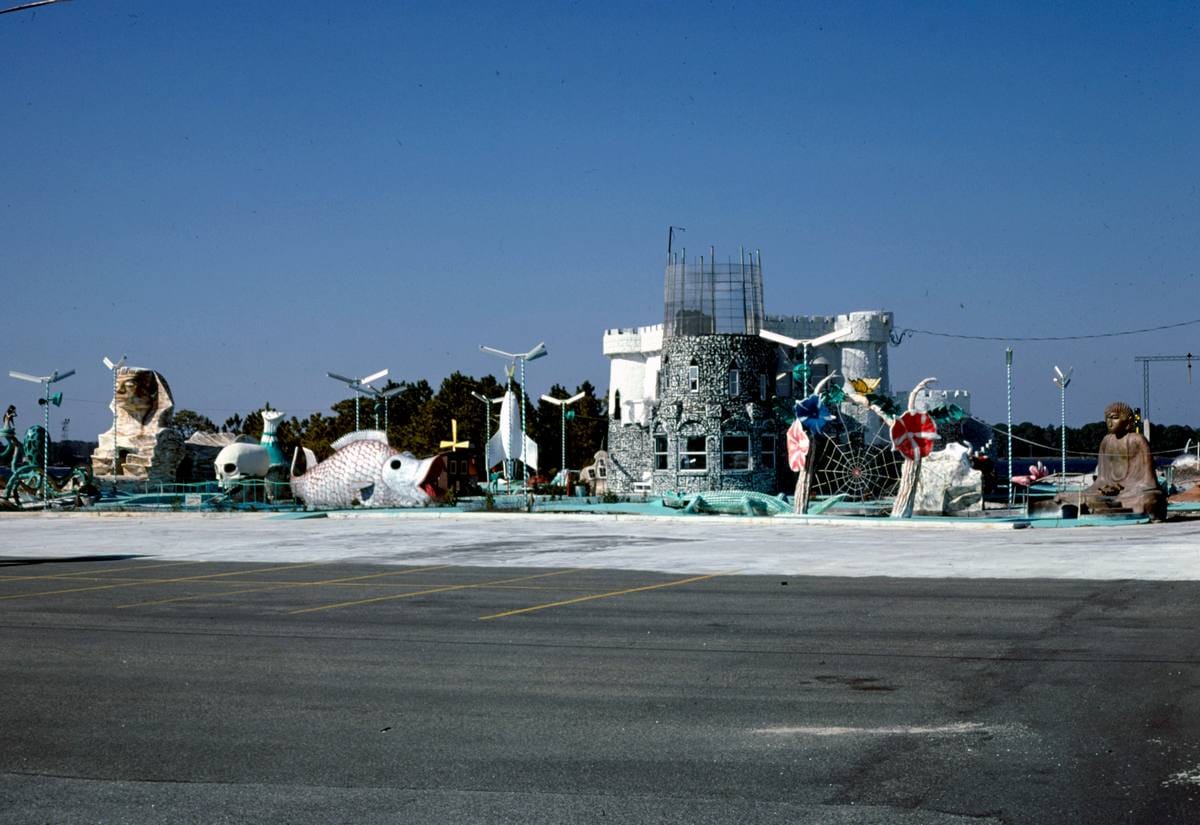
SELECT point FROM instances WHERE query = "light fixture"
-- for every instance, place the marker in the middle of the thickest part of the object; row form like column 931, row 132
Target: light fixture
column 45, row 381
column 537, row 352
column 359, row 385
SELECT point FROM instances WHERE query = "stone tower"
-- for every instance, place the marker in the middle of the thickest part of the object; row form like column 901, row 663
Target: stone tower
column 703, row 419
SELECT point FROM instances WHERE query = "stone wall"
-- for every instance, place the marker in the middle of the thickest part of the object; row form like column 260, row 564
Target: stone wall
column 708, row 410
column 628, row 455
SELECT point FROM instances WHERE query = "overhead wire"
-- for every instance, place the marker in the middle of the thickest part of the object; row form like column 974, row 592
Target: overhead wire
column 898, row 337
column 1052, row 451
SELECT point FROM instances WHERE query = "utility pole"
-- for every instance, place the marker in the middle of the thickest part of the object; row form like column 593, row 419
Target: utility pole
column 1145, row 361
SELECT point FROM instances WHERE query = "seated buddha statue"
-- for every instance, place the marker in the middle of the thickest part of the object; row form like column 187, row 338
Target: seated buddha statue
column 1125, row 477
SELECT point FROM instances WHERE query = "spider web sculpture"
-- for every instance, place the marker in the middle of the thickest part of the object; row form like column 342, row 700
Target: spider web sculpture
column 857, row 461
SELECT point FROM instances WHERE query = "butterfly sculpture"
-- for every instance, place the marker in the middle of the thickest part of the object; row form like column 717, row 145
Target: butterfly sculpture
column 865, row 386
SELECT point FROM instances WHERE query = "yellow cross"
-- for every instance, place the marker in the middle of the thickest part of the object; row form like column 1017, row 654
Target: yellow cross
column 454, row 443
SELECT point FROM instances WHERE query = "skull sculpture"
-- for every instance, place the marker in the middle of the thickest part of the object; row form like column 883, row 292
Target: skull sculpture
column 240, row 461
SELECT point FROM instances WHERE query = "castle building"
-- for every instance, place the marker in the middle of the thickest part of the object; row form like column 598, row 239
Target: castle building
column 692, row 400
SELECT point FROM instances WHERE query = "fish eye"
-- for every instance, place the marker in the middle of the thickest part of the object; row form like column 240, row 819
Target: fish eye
column 395, row 464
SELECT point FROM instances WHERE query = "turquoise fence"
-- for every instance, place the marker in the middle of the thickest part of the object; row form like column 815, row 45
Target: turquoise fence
column 252, row 494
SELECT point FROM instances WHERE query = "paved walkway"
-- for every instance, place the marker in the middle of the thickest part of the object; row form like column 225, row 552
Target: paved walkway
column 780, row 546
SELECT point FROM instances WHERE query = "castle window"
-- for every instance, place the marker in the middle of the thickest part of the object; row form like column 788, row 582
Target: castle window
column 735, row 452
column 693, row 377
column 661, row 455
column 693, row 453
column 762, row 387
column 616, row 411
column 767, row 456
column 819, row 371
column 735, row 381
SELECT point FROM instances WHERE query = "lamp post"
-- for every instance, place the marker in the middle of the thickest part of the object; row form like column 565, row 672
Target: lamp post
column 487, row 431
column 562, row 404
column 1008, row 388
column 534, row 354
column 359, row 385
column 45, row 381
column 1061, row 380
column 803, row 344
column 381, row 400
column 114, row 368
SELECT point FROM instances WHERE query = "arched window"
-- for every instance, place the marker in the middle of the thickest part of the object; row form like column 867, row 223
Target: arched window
column 819, row 371
column 616, row 410
column 767, row 453
column 662, row 456
column 693, row 449
column 735, row 451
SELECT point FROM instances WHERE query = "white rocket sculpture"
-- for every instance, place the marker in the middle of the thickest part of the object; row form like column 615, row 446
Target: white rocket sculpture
column 507, row 444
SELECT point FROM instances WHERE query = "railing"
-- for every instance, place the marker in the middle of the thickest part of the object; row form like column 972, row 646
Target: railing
column 251, row 494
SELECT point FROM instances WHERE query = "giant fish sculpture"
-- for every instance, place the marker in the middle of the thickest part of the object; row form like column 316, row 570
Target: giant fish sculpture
column 366, row 471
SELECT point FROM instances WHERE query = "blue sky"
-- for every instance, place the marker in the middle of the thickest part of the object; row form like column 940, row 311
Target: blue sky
column 247, row 195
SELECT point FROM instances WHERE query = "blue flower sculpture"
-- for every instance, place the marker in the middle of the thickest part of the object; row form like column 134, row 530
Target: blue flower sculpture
column 813, row 414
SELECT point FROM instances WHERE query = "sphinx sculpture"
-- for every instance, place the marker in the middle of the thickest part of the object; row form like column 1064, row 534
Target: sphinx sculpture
column 1125, row 476
column 145, row 445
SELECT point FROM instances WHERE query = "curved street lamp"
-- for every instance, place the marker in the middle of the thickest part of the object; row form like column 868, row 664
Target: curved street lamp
column 803, row 344
column 381, row 399
column 537, row 352
column 487, row 429
column 114, row 367
column 45, row 381
column 359, row 385
column 562, row 404
column 1061, row 380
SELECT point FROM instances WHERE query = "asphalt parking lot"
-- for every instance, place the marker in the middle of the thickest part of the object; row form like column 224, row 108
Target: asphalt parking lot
column 143, row 688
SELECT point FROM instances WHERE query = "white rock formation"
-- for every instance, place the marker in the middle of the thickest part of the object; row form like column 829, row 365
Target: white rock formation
column 948, row 485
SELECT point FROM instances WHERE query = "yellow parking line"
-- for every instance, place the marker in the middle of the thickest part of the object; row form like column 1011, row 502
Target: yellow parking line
column 282, row 586
column 69, row 577
column 351, row 584
column 601, row 596
column 154, row 581
column 445, row 589
column 84, row 573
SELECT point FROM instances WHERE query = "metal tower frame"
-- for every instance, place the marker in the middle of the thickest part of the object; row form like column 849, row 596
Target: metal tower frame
column 1146, row 360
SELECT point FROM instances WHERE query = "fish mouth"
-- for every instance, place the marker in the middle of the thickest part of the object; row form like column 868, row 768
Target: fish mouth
column 431, row 477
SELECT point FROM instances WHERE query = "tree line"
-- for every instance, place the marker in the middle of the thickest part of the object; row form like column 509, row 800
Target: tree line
column 1032, row 440
column 419, row 419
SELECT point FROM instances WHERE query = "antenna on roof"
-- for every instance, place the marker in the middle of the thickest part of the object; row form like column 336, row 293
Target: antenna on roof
column 671, row 239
